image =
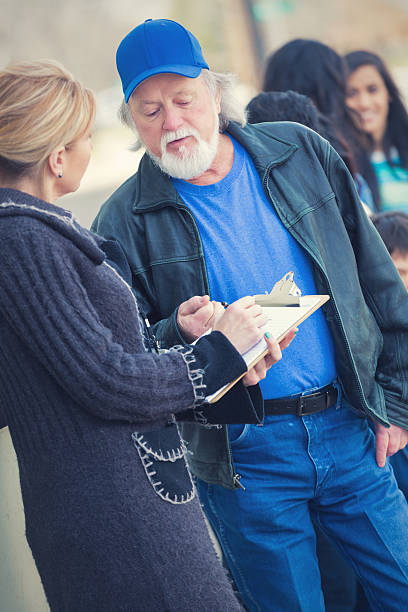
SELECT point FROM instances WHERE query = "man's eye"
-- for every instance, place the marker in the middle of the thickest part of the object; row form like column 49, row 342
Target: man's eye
column 152, row 113
column 372, row 88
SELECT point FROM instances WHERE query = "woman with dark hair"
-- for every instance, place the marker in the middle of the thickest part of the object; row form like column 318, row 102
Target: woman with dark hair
column 381, row 114
column 292, row 106
column 313, row 69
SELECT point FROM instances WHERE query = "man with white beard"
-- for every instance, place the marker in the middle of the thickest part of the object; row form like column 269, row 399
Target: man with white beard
column 223, row 208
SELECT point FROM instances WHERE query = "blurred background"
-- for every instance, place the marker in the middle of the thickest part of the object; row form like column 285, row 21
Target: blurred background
column 236, row 35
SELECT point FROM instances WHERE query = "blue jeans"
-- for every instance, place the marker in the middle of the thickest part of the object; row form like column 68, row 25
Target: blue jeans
column 320, row 466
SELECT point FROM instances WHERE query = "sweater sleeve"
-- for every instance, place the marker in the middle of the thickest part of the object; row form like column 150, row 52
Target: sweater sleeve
column 44, row 301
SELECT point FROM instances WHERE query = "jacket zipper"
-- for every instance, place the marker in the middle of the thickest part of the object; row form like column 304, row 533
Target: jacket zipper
column 237, row 482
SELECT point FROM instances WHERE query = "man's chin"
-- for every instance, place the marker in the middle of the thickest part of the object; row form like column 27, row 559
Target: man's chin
column 179, row 166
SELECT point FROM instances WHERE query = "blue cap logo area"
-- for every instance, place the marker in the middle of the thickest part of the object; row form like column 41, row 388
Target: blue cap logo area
column 154, row 47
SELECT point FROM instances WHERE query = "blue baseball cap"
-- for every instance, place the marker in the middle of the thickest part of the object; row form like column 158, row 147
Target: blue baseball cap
column 154, row 47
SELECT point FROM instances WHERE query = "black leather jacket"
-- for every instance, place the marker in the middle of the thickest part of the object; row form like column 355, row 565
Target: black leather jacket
column 316, row 200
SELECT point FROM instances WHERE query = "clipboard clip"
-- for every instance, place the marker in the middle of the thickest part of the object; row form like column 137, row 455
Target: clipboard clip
column 285, row 292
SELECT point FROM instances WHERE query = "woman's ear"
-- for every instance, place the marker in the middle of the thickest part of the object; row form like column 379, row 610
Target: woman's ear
column 56, row 161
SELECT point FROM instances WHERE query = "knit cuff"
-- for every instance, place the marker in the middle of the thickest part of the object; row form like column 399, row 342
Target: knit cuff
column 195, row 373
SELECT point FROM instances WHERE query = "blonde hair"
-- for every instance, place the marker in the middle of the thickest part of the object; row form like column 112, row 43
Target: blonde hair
column 41, row 107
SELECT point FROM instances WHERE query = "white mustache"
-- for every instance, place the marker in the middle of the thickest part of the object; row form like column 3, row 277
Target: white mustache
column 177, row 134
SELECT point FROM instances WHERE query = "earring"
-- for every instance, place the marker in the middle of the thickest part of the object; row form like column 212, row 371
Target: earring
column 59, row 174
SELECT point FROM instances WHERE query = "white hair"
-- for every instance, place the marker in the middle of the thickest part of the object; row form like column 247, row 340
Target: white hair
column 231, row 108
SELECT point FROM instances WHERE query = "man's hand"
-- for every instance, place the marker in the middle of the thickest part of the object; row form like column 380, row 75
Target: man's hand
column 258, row 372
column 389, row 440
column 196, row 316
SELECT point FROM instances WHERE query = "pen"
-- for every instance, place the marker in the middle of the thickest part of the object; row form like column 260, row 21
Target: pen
column 225, row 304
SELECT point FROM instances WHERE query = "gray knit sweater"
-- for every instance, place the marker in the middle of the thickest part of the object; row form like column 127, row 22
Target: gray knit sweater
column 89, row 410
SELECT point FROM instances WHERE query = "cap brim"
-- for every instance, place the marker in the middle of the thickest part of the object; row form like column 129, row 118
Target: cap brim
column 188, row 71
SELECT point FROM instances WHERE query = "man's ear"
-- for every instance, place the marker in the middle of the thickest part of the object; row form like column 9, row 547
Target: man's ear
column 56, row 161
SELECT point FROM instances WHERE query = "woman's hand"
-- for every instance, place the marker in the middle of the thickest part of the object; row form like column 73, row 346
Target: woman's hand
column 258, row 372
column 241, row 323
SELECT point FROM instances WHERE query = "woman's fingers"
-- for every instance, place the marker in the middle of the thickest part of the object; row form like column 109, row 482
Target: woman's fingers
column 241, row 322
column 288, row 338
column 255, row 374
column 275, row 352
column 259, row 371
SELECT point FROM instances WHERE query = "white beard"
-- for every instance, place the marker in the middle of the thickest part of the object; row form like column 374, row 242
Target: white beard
column 189, row 162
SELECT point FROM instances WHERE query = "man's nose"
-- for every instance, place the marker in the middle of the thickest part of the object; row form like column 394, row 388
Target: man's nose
column 172, row 120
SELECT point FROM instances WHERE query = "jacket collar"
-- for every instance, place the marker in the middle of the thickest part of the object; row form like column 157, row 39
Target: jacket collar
column 266, row 150
column 155, row 189
column 14, row 203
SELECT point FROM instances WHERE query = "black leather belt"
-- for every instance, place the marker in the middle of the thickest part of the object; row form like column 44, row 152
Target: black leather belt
column 302, row 404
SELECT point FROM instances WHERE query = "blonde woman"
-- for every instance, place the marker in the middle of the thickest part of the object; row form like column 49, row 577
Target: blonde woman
column 111, row 515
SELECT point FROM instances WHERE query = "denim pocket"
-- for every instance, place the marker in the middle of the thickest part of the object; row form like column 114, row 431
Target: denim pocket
column 237, row 433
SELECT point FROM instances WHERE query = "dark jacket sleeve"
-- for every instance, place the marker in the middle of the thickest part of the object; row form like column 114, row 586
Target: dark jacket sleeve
column 115, row 223
column 382, row 288
column 167, row 331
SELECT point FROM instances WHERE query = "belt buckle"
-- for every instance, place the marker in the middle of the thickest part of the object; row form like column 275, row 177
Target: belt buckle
column 302, row 398
column 300, row 405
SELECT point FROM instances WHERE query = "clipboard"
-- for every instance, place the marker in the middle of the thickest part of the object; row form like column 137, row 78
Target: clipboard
column 281, row 319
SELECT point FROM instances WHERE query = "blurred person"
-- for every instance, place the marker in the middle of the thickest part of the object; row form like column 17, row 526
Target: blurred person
column 224, row 207
column 380, row 112
column 292, row 106
column 111, row 513
column 284, row 106
column 393, row 229
column 315, row 70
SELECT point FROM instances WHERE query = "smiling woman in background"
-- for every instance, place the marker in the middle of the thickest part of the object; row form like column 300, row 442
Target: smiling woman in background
column 313, row 69
column 381, row 114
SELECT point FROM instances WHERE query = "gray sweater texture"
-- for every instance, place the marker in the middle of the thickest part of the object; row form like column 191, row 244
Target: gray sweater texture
column 111, row 513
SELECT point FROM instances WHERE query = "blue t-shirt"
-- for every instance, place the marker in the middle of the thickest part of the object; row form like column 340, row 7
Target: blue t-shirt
column 247, row 249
